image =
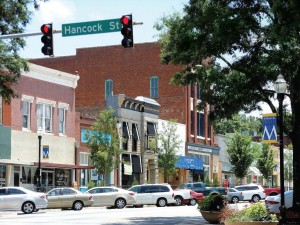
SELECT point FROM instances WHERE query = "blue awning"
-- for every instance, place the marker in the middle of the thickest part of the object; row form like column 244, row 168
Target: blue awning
column 190, row 163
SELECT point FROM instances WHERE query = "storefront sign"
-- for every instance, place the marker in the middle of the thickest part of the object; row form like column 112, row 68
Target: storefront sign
column 45, row 151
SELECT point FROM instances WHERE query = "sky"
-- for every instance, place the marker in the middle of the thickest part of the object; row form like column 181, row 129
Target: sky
column 61, row 12
column 73, row 11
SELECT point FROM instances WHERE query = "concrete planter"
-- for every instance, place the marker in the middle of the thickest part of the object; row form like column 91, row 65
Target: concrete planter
column 211, row 216
column 252, row 223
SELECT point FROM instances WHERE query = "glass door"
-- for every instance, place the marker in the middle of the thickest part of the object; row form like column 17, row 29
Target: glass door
column 47, row 180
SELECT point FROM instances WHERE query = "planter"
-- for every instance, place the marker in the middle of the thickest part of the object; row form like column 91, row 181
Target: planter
column 211, row 216
column 252, row 223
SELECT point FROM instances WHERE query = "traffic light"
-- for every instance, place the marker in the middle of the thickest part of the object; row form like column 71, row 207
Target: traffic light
column 127, row 31
column 47, row 39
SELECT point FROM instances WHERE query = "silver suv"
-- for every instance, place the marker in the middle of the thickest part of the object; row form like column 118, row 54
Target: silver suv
column 252, row 192
column 153, row 194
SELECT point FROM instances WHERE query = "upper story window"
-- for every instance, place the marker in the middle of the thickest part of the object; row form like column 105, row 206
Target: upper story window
column 26, row 114
column 26, row 111
column 85, row 159
column 1, row 107
column 200, row 124
column 44, row 114
column 109, row 88
column 125, row 132
column 44, row 117
column 62, row 110
column 154, row 87
column 135, row 137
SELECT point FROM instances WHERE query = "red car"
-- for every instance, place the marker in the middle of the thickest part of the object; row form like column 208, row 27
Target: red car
column 196, row 197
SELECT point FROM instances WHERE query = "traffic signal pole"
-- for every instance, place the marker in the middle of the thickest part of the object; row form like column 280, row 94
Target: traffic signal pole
column 21, row 35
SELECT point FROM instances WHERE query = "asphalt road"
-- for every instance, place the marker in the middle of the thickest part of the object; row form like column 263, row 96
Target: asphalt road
column 181, row 215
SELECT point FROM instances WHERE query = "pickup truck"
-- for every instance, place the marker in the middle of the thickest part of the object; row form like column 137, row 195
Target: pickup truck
column 272, row 191
column 199, row 187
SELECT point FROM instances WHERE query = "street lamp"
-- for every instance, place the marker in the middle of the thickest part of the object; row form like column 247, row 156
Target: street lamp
column 280, row 88
column 39, row 133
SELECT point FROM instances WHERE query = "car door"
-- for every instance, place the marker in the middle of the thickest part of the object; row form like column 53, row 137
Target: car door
column 108, row 198
column 138, row 194
column 97, row 196
column 68, row 197
column 14, row 198
column 54, row 198
column 3, row 203
column 148, row 195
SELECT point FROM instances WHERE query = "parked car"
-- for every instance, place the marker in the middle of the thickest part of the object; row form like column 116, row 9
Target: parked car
column 252, row 192
column 66, row 197
column 272, row 191
column 182, row 196
column 196, row 197
column 153, row 194
column 18, row 198
column 200, row 187
column 112, row 197
column 234, row 195
column 273, row 202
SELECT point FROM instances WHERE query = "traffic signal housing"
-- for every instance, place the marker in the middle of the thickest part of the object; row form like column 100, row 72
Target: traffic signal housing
column 47, row 39
column 127, row 31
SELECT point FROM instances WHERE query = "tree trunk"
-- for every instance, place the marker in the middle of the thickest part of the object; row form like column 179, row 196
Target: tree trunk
column 295, row 136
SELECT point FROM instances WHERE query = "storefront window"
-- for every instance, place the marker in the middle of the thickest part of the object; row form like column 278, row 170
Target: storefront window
column 62, row 177
column 2, row 176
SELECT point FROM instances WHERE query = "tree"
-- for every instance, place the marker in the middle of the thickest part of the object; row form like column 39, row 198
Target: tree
column 103, row 142
column 288, row 164
column 239, row 47
column 238, row 123
column 242, row 152
column 14, row 16
column 168, row 145
column 266, row 163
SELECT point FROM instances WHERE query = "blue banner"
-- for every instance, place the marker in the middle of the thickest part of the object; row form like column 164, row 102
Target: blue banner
column 269, row 122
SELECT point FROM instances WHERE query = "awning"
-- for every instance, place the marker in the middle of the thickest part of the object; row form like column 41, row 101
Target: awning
column 190, row 163
column 254, row 171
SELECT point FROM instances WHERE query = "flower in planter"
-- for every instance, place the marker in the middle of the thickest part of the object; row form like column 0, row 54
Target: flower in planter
column 214, row 202
column 256, row 212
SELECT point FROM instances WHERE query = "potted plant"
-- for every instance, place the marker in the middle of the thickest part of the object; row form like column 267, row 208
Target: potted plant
column 256, row 214
column 210, row 207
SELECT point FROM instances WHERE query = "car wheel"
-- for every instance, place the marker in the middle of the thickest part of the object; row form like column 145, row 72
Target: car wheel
column 120, row 203
column 255, row 198
column 161, row 202
column 178, row 200
column 193, row 202
column 78, row 205
column 235, row 199
column 28, row 207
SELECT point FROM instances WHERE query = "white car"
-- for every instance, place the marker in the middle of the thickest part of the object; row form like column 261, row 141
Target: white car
column 153, row 194
column 252, row 192
column 274, row 202
column 182, row 196
column 18, row 198
column 112, row 197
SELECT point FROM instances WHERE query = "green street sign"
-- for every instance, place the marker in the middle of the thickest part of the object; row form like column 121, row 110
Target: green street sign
column 92, row 27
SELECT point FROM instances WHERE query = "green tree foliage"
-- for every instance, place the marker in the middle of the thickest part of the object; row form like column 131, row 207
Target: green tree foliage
column 241, row 47
column 242, row 152
column 103, row 142
column 288, row 164
column 14, row 16
column 169, row 144
column 266, row 163
column 238, row 123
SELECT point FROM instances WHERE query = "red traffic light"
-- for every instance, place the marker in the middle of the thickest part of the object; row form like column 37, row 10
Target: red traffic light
column 126, row 20
column 46, row 28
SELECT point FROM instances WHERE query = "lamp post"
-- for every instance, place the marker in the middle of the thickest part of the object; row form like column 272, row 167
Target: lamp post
column 280, row 88
column 39, row 133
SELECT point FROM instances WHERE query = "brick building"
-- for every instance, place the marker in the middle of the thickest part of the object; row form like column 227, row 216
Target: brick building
column 113, row 70
column 46, row 100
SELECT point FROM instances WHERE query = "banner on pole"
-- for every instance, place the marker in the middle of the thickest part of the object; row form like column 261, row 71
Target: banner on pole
column 269, row 122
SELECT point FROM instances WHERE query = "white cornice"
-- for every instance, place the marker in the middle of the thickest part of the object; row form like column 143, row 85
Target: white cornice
column 51, row 75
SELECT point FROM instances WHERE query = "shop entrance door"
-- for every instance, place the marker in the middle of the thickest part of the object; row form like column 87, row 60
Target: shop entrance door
column 47, row 180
